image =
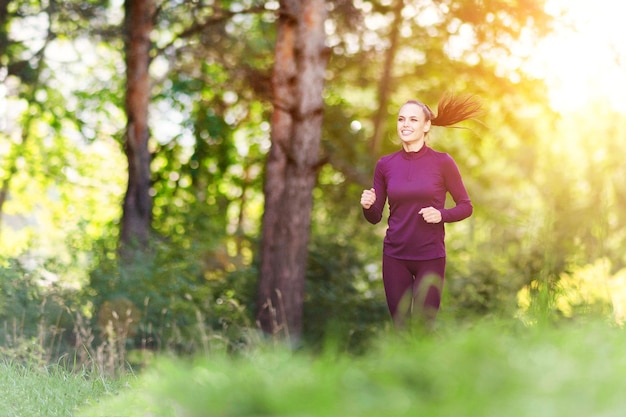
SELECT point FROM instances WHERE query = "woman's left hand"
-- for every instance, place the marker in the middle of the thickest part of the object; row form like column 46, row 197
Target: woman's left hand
column 430, row 215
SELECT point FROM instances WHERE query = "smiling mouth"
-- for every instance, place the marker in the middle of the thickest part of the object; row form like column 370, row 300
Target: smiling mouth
column 406, row 132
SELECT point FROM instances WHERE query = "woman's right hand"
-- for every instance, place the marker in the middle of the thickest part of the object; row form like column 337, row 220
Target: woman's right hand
column 368, row 198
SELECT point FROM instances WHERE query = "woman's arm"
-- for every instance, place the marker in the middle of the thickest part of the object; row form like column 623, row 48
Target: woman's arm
column 454, row 184
column 374, row 213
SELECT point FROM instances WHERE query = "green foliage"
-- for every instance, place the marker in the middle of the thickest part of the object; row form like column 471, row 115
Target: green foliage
column 20, row 300
column 592, row 291
column 36, row 323
column 170, row 300
column 489, row 368
column 343, row 302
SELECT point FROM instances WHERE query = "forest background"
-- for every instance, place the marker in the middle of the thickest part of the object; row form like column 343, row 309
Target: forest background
column 137, row 140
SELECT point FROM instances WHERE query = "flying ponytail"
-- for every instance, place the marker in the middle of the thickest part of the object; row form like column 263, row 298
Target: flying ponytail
column 452, row 109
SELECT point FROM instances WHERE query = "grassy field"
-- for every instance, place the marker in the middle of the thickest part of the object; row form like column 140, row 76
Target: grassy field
column 484, row 369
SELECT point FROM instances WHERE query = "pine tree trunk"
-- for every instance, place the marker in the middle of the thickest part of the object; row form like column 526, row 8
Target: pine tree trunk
column 137, row 208
column 292, row 165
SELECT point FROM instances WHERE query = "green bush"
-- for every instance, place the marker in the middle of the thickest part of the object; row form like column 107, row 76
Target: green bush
column 342, row 301
column 166, row 300
column 35, row 324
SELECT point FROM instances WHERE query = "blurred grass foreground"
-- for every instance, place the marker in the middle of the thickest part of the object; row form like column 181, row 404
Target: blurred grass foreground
column 488, row 368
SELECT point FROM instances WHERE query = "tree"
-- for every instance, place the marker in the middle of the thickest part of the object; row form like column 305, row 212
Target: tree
column 137, row 208
column 292, row 164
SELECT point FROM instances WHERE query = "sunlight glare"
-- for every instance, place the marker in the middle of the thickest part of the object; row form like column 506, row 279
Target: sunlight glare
column 585, row 59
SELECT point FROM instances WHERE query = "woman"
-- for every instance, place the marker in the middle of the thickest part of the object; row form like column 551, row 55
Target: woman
column 415, row 180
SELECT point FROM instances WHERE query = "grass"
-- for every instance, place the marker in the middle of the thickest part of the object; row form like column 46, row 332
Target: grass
column 484, row 369
column 34, row 391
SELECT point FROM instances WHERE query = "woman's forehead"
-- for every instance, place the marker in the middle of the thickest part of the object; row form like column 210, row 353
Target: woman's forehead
column 411, row 109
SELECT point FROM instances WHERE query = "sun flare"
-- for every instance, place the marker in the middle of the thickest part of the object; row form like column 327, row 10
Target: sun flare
column 585, row 59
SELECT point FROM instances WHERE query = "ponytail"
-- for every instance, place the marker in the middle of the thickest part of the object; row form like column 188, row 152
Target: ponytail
column 451, row 109
column 454, row 109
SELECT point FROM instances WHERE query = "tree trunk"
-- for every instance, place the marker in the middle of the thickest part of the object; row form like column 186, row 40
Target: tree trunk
column 137, row 208
column 292, row 165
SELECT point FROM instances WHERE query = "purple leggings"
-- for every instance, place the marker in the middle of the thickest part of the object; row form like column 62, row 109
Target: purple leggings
column 413, row 287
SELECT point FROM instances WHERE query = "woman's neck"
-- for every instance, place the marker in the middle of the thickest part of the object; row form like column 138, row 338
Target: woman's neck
column 413, row 146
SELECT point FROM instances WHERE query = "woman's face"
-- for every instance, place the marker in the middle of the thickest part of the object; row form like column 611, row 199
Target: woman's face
column 412, row 124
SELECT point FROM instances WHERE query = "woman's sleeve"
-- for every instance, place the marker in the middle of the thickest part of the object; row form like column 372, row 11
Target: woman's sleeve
column 454, row 184
column 375, row 213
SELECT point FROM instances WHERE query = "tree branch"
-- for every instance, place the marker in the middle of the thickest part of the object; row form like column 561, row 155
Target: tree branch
column 199, row 27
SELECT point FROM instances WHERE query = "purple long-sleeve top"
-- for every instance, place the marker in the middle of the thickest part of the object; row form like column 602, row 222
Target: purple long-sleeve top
column 412, row 181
